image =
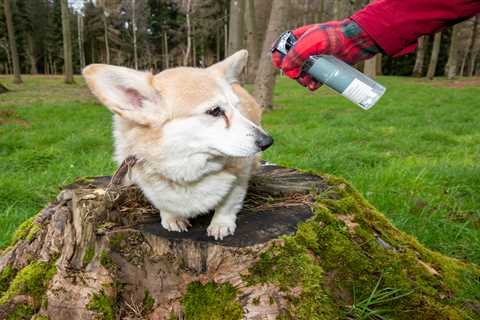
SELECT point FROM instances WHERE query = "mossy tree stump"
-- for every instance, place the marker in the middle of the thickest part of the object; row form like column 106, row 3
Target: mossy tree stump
column 306, row 247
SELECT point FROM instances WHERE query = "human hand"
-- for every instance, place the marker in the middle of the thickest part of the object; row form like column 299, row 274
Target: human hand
column 342, row 39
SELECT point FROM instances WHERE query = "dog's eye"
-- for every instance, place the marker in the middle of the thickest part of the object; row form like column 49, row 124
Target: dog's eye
column 216, row 111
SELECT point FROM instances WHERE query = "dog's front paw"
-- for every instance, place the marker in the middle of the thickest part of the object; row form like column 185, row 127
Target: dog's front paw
column 221, row 229
column 175, row 223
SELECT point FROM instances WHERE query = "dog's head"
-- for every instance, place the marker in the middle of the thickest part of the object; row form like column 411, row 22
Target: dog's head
column 195, row 109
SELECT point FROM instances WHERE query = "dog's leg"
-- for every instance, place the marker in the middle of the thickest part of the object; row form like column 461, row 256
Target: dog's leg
column 223, row 221
column 173, row 222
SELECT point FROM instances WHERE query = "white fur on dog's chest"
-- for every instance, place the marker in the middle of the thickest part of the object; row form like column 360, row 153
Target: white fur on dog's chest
column 189, row 199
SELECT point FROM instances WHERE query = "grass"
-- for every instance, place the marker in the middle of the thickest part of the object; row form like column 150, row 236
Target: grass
column 371, row 307
column 414, row 155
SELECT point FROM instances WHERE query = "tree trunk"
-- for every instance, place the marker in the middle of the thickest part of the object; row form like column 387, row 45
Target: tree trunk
column 13, row 45
column 306, row 12
column 218, row 44
column 263, row 8
column 31, row 54
column 452, row 62
column 189, row 34
column 134, row 28
column 6, row 68
column 473, row 51
column 336, row 9
column 166, row 56
column 236, row 31
column 319, row 12
column 379, row 64
column 194, row 48
column 67, row 43
column 370, row 67
column 105, row 31
column 81, row 41
column 420, row 56
column 266, row 74
column 9, row 58
column 432, row 67
column 225, row 34
column 252, row 41
column 306, row 247
column 47, row 66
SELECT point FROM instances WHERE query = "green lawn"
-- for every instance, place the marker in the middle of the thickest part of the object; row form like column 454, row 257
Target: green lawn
column 415, row 155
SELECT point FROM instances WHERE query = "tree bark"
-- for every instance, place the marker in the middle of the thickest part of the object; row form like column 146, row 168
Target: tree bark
column 134, row 28
column 166, row 57
column 379, row 57
column 452, row 62
column 420, row 57
column 9, row 59
column 236, row 28
column 13, row 45
column 432, row 67
column 266, row 74
column 319, row 12
column 473, row 51
column 370, row 67
column 81, row 41
column 67, row 43
column 31, row 54
column 186, row 57
column 218, row 44
column 194, row 48
column 252, row 41
column 303, row 244
column 336, row 9
column 225, row 34
column 105, row 31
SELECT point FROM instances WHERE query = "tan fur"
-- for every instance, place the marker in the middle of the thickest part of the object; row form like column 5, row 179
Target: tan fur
column 249, row 107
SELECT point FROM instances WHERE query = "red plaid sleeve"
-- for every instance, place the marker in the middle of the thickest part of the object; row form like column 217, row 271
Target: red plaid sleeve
column 343, row 39
column 395, row 25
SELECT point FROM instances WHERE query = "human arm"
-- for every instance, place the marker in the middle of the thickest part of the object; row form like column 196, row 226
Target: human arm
column 389, row 26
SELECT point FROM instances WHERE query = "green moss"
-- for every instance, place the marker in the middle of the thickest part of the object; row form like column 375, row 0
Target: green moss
column 334, row 263
column 106, row 260
column 27, row 230
column 34, row 231
column 21, row 312
column 103, row 305
column 6, row 277
column 23, row 230
column 211, row 302
column 88, row 255
column 148, row 301
column 40, row 317
column 31, row 280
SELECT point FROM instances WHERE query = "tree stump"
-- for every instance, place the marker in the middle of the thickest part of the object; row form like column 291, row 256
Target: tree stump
column 306, row 247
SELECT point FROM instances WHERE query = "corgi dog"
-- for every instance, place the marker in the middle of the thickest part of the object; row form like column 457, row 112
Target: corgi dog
column 195, row 131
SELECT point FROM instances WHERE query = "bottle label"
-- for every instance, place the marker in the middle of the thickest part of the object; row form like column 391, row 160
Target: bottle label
column 360, row 93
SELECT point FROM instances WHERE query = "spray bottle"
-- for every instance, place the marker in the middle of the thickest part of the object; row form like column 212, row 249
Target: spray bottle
column 337, row 75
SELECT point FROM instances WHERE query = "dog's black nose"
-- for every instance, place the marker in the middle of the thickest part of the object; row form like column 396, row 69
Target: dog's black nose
column 263, row 141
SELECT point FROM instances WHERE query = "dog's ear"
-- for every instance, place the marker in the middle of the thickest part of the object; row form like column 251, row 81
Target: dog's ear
column 127, row 92
column 231, row 67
